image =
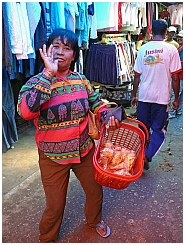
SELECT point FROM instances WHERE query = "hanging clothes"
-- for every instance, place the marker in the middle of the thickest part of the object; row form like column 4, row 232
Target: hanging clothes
column 9, row 129
column 72, row 13
column 132, row 17
column 176, row 14
column 110, row 61
column 17, row 25
column 125, row 63
column 101, row 64
column 82, row 25
column 58, row 12
column 6, row 48
column 107, row 16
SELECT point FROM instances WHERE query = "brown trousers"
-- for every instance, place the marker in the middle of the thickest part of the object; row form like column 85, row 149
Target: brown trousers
column 55, row 179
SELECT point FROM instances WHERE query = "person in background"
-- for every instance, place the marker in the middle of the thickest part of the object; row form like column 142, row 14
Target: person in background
column 173, row 113
column 170, row 35
column 180, row 49
column 59, row 99
column 146, row 37
column 156, row 62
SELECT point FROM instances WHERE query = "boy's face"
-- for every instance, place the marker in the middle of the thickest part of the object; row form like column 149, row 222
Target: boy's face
column 170, row 34
column 180, row 40
column 148, row 36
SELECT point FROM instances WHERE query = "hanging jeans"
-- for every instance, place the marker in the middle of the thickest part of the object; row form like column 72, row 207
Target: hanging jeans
column 9, row 128
column 155, row 118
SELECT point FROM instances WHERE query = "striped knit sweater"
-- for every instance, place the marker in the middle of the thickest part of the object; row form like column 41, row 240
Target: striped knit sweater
column 59, row 109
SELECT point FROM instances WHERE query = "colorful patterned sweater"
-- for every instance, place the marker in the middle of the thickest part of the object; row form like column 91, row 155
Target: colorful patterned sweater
column 59, row 109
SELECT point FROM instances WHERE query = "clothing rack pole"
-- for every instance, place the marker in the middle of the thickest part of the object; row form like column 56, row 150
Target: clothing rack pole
column 113, row 35
column 163, row 5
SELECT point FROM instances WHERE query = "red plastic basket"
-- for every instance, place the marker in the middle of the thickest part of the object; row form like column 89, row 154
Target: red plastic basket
column 129, row 136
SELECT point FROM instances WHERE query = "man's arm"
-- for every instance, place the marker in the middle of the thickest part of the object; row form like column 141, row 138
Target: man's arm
column 176, row 87
column 135, row 88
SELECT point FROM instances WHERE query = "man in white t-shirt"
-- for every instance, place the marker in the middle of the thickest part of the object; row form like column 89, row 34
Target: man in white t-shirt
column 157, row 62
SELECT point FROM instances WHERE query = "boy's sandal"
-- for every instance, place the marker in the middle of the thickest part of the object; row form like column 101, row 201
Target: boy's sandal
column 102, row 229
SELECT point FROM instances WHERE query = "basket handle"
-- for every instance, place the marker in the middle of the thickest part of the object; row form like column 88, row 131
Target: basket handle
column 106, row 104
column 147, row 140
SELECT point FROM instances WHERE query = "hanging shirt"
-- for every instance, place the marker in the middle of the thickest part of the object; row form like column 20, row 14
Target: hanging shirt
column 34, row 14
column 93, row 24
column 176, row 14
column 58, row 15
column 73, row 12
column 108, row 20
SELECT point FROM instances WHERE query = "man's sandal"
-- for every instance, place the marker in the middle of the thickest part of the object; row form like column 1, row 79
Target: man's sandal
column 102, row 229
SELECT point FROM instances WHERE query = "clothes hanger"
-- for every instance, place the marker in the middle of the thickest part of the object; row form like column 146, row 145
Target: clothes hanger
column 104, row 41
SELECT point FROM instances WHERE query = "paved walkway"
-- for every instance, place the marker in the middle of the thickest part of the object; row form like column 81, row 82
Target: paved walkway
column 149, row 210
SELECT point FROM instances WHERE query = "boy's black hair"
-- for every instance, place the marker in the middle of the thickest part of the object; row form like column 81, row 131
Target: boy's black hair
column 144, row 31
column 159, row 27
column 68, row 38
